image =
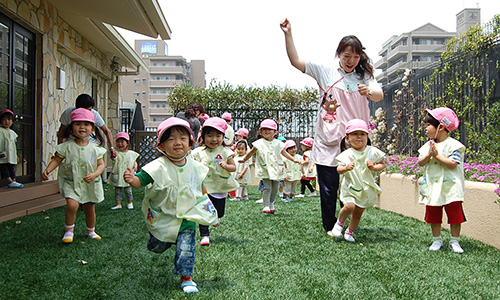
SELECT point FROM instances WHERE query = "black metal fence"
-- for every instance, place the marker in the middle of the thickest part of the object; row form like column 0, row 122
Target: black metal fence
column 405, row 107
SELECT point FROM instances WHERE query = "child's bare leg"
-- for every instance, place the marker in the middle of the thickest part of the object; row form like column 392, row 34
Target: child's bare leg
column 436, row 229
column 90, row 218
column 346, row 211
column 356, row 217
column 71, row 209
column 455, row 229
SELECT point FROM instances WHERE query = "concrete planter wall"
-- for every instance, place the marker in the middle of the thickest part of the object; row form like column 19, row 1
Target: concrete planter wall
column 400, row 195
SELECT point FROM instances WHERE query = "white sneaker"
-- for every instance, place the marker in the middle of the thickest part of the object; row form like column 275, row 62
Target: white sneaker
column 130, row 205
column 261, row 200
column 337, row 230
column 15, row 185
column 300, row 196
column 330, row 233
column 245, row 198
column 313, row 194
column 455, row 246
column 235, row 199
column 349, row 238
column 205, row 241
column 119, row 206
column 436, row 245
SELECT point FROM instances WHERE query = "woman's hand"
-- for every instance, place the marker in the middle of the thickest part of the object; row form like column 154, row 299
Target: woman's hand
column 364, row 90
column 286, row 26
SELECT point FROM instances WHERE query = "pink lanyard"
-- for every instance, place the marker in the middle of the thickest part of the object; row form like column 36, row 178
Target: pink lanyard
column 326, row 92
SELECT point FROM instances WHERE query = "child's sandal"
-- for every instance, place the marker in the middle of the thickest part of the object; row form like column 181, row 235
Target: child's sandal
column 189, row 287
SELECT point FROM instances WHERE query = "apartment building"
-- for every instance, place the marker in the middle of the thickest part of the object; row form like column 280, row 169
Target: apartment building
column 420, row 47
column 151, row 87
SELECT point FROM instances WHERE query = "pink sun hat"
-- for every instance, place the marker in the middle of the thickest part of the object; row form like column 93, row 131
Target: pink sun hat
column 171, row 122
column 227, row 116
column 290, row 144
column 356, row 125
column 445, row 116
column 122, row 135
column 308, row 141
column 243, row 132
column 204, row 116
column 6, row 111
column 217, row 123
column 268, row 123
column 82, row 115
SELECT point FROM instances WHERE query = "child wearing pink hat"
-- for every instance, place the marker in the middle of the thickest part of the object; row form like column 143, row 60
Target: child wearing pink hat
column 8, row 149
column 442, row 185
column 125, row 159
column 229, row 135
column 358, row 188
column 174, row 186
column 214, row 153
column 293, row 172
column 242, row 174
column 308, row 168
column 269, row 165
column 80, row 167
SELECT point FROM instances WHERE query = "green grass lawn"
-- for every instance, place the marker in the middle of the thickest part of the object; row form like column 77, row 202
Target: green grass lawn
column 252, row 256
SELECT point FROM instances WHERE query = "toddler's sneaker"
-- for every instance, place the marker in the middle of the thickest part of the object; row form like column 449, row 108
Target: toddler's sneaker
column 455, row 246
column 235, row 199
column 189, row 287
column 349, row 238
column 119, row 206
column 313, row 194
column 245, row 198
column 337, row 230
column 266, row 210
column 300, row 196
column 330, row 233
column 130, row 205
column 15, row 185
column 271, row 208
column 218, row 224
column 205, row 241
column 261, row 200
column 68, row 237
column 436, row 245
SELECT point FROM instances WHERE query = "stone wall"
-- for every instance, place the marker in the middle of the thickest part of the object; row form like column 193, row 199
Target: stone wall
column 60, row 46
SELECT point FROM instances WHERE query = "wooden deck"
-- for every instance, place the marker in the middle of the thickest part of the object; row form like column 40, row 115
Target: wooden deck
column 32, row 198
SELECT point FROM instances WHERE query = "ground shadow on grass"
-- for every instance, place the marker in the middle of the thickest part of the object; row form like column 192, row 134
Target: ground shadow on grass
column 228, row 240
column 214, row 284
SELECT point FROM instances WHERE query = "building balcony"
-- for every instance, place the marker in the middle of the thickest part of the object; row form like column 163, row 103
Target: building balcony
column 158, row 97
column 398, row 52
column 160, row 111
column 164, row 83
column 167, row 70
column 428, row 48
column 382, row 63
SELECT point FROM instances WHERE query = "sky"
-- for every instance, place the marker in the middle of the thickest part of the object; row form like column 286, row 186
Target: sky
column 243, row 44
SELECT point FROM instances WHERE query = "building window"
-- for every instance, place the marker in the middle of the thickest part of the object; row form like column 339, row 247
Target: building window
column 137, row 81
column 136, row 95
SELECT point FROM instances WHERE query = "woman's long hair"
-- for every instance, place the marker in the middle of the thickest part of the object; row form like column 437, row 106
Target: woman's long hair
column 364, row 67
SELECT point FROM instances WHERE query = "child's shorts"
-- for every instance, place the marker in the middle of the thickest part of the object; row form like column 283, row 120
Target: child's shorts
column 454, row 211
column 261, row 186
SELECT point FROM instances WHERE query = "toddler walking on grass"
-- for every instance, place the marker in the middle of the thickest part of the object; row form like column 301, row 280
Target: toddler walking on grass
column 269, row 166
column 125, row 159
column 308, row 168
column 443, row 183
column 79, row 177
column 358, row 188
column 293, row 172
column 214, row 154
column 174, row 188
